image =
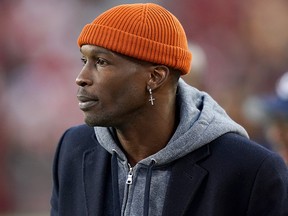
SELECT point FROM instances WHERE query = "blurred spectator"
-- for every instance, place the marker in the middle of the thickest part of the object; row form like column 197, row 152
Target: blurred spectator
column 271, row 112
column 276, row 109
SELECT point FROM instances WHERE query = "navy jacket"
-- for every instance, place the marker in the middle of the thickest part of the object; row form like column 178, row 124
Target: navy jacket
column 231, row 176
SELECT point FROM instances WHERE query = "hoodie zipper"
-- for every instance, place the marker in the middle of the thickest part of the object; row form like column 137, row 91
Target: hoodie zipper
column 129, row 179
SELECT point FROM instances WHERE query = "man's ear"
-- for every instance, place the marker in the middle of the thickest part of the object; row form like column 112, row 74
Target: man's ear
column 158, row 76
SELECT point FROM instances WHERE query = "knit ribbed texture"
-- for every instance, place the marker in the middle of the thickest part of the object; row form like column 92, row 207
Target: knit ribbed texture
column 144, row 31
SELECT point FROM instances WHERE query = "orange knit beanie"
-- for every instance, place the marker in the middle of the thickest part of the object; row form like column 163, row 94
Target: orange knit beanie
column 143, row 31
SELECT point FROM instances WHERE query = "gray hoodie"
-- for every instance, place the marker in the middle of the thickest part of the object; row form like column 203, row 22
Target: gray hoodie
column 142, row 188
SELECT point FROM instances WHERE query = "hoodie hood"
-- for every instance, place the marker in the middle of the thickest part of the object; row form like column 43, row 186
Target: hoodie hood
column 201, row 121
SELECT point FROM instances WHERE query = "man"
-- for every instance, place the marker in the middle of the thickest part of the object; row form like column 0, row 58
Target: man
column 153, row 145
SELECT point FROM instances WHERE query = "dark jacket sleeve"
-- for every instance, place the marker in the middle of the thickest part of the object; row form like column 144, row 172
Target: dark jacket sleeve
column 269, row 195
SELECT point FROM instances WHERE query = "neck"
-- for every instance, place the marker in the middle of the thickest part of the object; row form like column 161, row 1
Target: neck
column 148, row 134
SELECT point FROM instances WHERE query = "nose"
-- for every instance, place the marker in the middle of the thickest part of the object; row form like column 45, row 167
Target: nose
column 83, row 78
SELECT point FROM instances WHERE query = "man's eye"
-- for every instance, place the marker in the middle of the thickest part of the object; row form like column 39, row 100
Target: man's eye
column 83, row 61
column 101, row 62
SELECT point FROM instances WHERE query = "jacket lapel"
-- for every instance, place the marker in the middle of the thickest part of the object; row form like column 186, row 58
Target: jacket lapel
column 186, row 177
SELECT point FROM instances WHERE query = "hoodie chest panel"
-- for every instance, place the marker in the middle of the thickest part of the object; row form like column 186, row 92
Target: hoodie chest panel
column 132, row 196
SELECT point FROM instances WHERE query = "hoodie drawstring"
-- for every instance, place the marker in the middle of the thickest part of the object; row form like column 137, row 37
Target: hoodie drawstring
column 115, row 185
column 147, row 187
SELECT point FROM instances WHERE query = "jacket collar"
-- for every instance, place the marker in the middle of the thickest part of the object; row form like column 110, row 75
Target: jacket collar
column 186, row 178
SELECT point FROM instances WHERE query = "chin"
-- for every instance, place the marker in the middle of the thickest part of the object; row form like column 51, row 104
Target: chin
column 90, row 124
column 89, row 121
column 93, row 122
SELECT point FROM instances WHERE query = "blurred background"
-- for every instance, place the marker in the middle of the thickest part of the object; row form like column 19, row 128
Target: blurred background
column 240, row 50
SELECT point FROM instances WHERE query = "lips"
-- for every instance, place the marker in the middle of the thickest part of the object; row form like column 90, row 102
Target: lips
column 86, row 102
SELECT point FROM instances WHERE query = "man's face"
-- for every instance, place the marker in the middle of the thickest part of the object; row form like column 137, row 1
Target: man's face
column 112, row 88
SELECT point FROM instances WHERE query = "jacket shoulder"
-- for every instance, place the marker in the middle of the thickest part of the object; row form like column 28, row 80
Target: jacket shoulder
column 81, row 135
column 75, row 142
column 79, row 132
column 240, row 158
column 240, row 178
column 238, row 148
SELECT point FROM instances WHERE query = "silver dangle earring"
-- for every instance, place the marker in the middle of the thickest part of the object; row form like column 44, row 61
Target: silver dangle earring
column 151, row 99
